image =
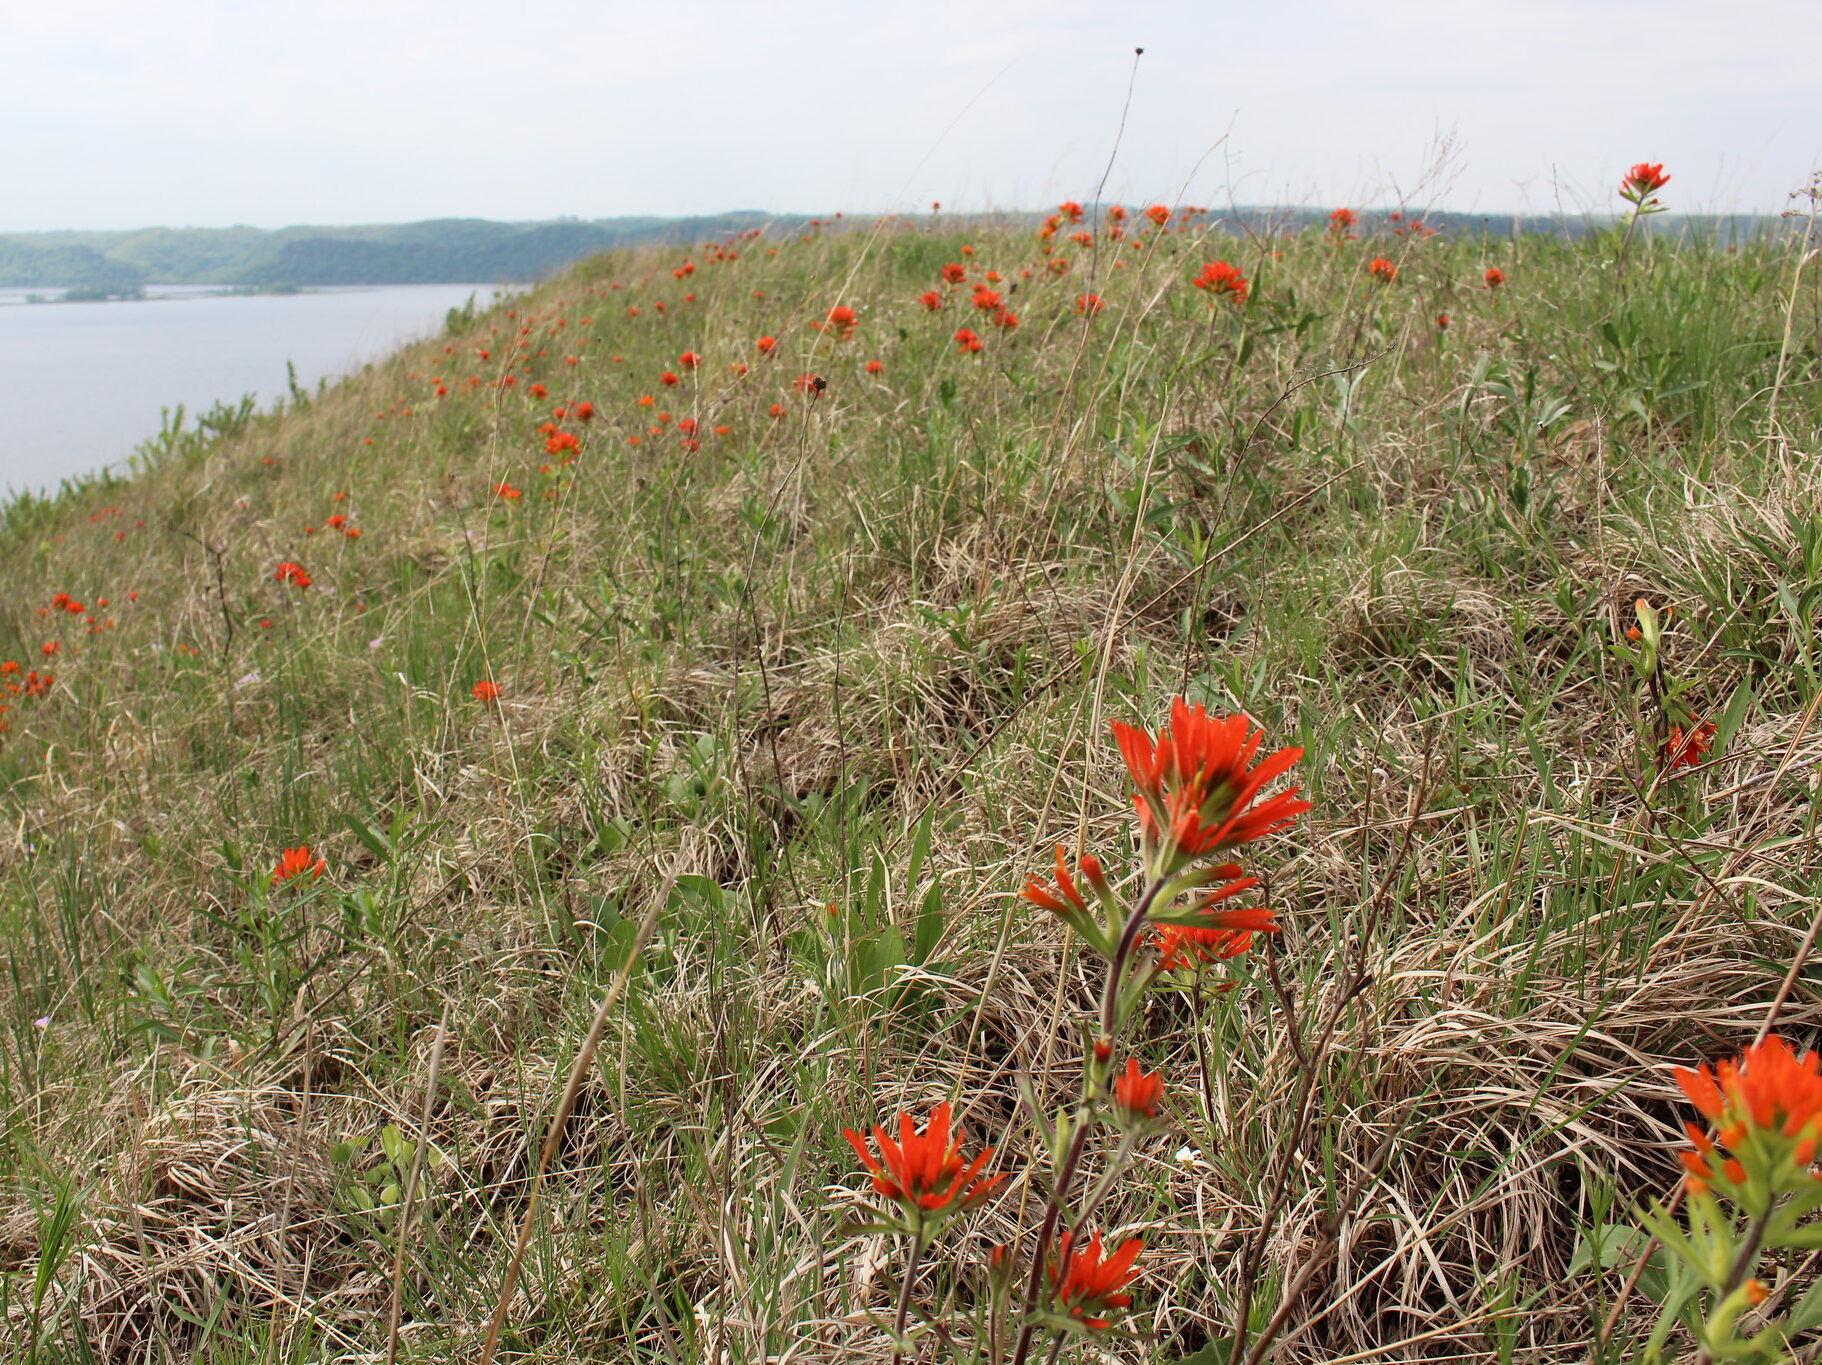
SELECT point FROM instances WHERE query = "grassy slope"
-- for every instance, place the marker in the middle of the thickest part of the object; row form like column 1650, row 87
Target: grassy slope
column 862, row 656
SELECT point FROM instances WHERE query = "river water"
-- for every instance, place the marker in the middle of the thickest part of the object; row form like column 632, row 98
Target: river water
column 81, row 384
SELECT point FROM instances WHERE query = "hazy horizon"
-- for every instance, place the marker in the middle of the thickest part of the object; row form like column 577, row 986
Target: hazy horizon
column 863, row 216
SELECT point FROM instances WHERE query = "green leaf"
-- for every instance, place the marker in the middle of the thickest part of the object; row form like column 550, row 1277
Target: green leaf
column 1215, row 1353
column 375, row 842
column 931, row 921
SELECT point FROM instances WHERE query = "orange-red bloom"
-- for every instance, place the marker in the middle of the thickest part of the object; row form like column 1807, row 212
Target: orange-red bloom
column 1770, row 1091
column 1136, row 1093
column 1218, row 933
column 1645, row 178
column 1494, row 277
column 1770, row 1087
column 293, row 574
column 1341, row 220
column 1685, row 751
column 986, row 299
column 486, row 690
column 1089, row 304
column 1196, row 784
column 931, row 300
column 954, row 274
column 689, row 360
column 766, row 344
column 968, row 340
column 1219, row 277
column 296, row 862
column 1382, row 270
column 925, row 1173
column 1086, row 1286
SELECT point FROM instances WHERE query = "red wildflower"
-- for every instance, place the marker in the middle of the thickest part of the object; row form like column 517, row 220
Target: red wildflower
column 507, row 491
column 954, row 274
column 777, row 409
column 925, row 1173
column 1645, row 178
column 842, row 319
column 539, row 391
column 986, row 299
column 766, row 345
column 968, row 340
column 1771, row 1092
column 876, row 367
column 1382, row 270
column 486, row 690
column 296, row 862
column 668, row 378
column 1494, row 277
column 1217, row 934
column 1071, row 210
column 689, row 360
column 1158, row 214
column 1341, row 220
column 1442, row 322
column 1685, row 751
column 809, row 383
column 1006, row 319
column 1089, row 304
column 1195, row 785
column 562, row 441
column 1219, row 277
column 585, row 412
column 1136, row 1093
column 294, row 574
column 1087, row 1286
column 931, row 300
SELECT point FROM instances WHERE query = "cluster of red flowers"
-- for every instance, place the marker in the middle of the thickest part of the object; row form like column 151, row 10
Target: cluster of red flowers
column 1382, row 270
column 18, row 681
column 292, row 573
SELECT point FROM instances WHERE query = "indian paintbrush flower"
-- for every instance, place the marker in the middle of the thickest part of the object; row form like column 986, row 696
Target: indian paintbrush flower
column 1086, row 1285
column 1196, row 785
column 925, row 1173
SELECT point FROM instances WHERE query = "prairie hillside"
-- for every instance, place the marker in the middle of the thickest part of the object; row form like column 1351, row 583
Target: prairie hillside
column 724, row 591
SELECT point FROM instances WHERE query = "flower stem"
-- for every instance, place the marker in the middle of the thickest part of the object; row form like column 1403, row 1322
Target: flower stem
column 912, row 1262
column 1743, row 1264
column 1053, row 1209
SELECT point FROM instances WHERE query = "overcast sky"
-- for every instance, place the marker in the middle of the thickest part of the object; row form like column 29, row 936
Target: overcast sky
column 125, row 113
